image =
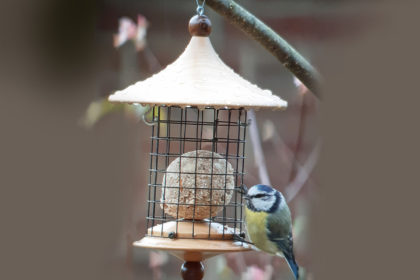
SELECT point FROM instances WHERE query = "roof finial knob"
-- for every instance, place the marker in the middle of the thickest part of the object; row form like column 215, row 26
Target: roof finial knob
column 200, row 25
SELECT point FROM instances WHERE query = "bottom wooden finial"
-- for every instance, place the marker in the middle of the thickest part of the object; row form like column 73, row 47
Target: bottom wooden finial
column 192, row 270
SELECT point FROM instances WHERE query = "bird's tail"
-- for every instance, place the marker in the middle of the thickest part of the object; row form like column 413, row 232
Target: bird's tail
column 293, row 265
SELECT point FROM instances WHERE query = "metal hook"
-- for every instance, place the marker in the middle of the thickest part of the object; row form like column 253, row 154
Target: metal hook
column 200, row 8
column 148, row 122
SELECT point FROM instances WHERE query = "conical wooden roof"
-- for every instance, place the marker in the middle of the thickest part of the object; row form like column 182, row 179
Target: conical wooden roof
column 199, row 78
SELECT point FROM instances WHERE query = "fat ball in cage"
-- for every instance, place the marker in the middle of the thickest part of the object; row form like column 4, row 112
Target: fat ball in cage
column 196, row 173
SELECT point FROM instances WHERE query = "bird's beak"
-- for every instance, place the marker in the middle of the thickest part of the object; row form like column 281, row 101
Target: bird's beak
column 246, row 198
column 243, row 189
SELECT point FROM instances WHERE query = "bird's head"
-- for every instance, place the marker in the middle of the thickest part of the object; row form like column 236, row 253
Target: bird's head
column 262, row 198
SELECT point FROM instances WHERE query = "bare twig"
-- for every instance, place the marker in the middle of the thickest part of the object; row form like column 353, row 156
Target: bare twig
column 270, row 40
column 301, row 129
column 284, row 153
column 258, row 151
column 303, row 174
column 152, row 61
column 295, row 183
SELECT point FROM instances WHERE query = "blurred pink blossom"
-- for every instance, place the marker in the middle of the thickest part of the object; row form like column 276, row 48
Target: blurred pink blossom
column 157, row 259
column 253, row 272
column 301, row 87
column 129, row 30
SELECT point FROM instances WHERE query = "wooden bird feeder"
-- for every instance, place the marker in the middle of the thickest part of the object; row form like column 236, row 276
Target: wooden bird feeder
column 197, row 151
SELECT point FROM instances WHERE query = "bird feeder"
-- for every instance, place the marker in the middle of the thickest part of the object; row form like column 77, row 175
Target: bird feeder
column 197, row 151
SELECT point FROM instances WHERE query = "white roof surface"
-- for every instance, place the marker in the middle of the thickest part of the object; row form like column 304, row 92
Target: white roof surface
column 199, row 78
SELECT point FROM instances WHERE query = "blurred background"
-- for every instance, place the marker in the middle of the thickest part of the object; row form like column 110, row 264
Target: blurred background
column 75, row 168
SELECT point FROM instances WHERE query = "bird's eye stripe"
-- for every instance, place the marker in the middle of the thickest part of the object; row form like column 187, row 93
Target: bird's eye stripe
column 259, row 195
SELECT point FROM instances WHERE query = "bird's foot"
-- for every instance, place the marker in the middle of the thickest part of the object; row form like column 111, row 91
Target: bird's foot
column 238, row 238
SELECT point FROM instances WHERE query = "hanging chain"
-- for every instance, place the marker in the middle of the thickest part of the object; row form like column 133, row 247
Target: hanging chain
column 200, row 8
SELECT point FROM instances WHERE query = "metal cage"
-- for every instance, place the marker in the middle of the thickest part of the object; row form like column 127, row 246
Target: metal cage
column 178, row 133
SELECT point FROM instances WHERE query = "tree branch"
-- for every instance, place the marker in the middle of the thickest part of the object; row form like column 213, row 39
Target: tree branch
column 270, row 40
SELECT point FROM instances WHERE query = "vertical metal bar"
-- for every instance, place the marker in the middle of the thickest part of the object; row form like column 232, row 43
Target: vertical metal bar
column 151, row 184
column 243, row 162
column 196, row 166
column 238, row 138
column 181, row 151
column 201, row 127
column 226, row 166
column 216, row 123
column 168, row 148
column 185, row 130
column 156, row 168
column 213, row 149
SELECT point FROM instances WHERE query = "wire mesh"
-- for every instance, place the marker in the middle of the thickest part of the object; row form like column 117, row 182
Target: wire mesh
column 213, row 141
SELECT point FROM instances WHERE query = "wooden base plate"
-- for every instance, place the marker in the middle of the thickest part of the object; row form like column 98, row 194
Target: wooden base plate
column 191, row 250
column 192, row 247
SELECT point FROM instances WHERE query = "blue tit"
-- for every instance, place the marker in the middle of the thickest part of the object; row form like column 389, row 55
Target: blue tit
column 269, row 224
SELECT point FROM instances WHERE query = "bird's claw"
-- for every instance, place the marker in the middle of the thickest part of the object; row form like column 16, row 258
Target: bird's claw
column 236, row 237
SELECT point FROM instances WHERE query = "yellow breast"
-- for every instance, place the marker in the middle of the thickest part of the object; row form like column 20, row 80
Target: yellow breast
column 257, row 232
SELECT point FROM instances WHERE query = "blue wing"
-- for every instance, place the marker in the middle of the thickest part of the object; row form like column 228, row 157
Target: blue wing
column 293, row 265
column 285, row 245
column 280, row 233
